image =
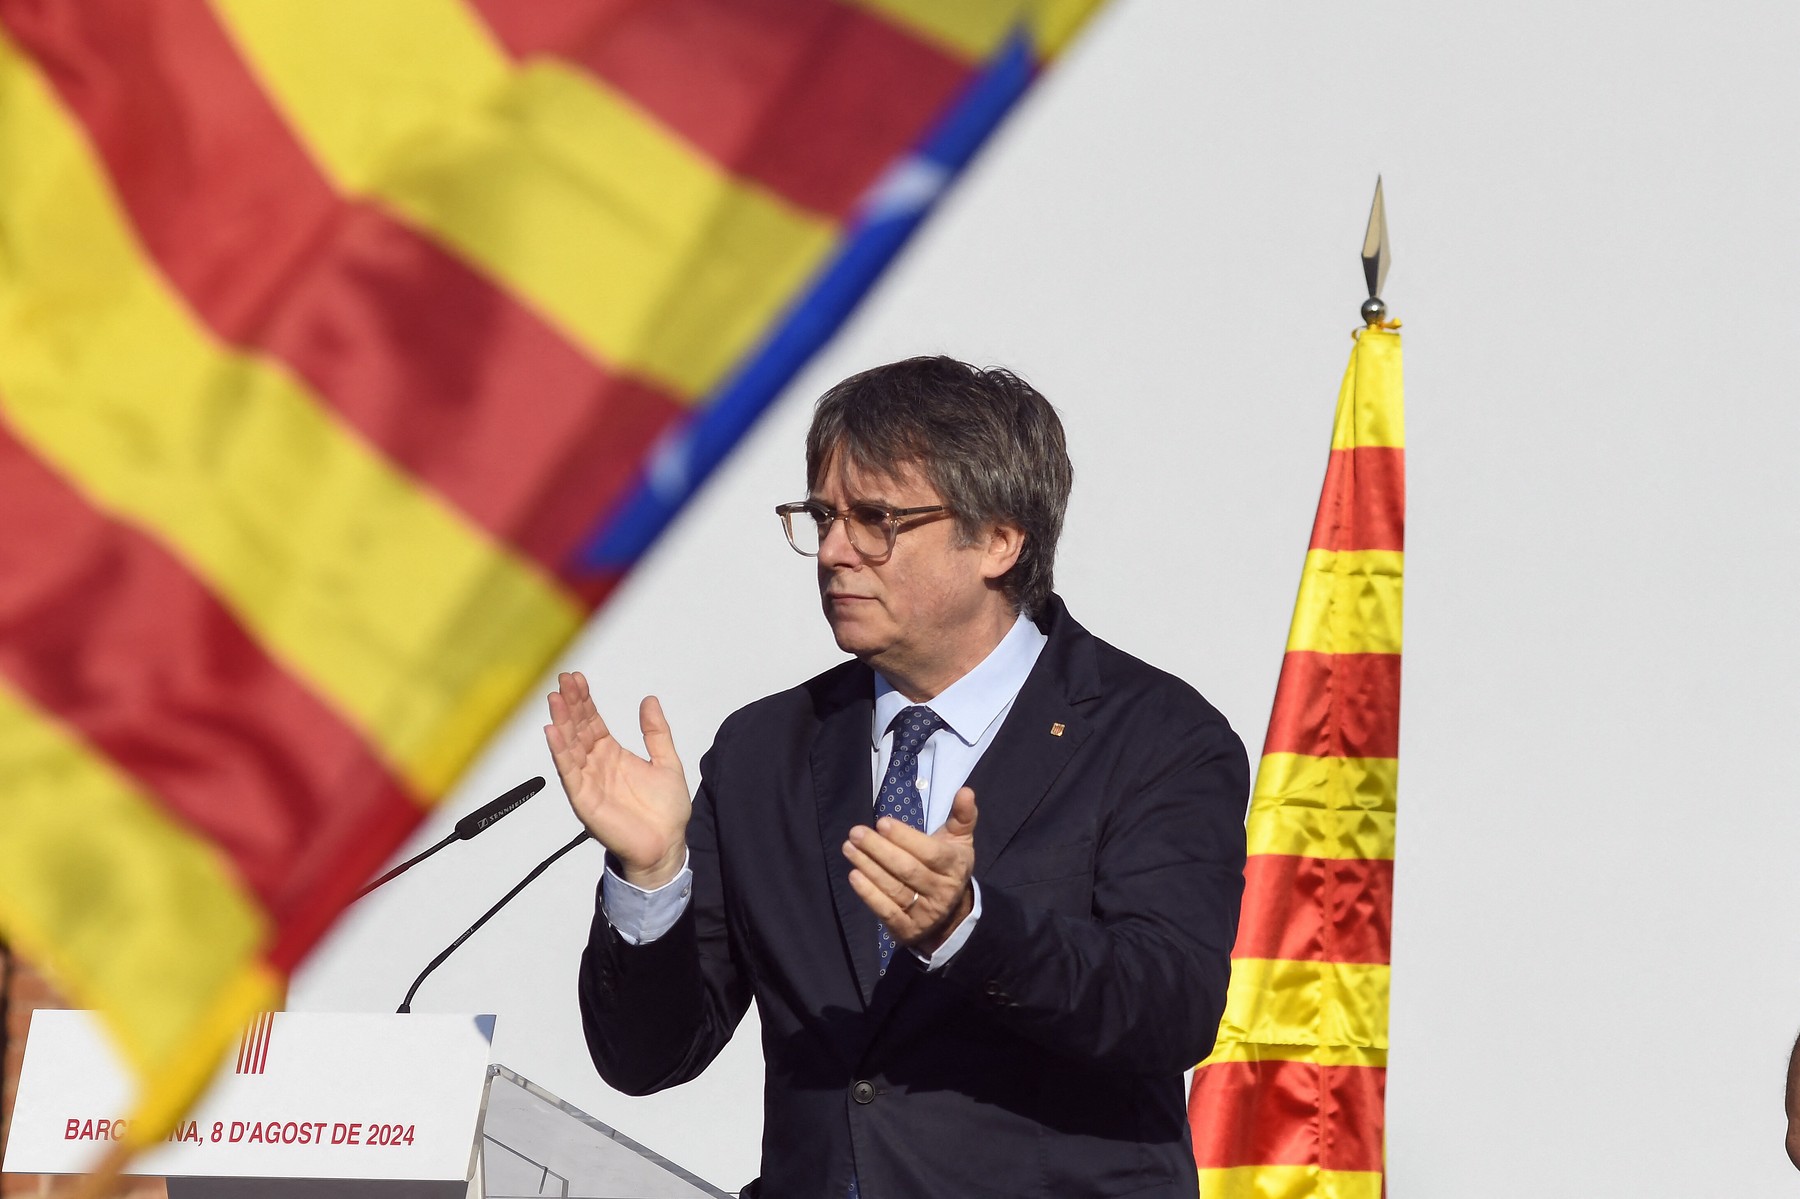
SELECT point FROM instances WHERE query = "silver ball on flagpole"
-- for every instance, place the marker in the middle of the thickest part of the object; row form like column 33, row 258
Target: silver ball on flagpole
column 1373, row 311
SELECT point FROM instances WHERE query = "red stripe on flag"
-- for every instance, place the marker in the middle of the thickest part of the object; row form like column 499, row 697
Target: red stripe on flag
column 811, row 98
column 107, row 632
column 264, row 1032
column 449, row 375
column 1336, row 705
column 1276, row 1113
column 1316, row 909
column 243, row 1049
column 1363, row 503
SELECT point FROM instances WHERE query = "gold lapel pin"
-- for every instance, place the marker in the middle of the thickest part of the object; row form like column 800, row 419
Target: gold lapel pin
column 1056, row 729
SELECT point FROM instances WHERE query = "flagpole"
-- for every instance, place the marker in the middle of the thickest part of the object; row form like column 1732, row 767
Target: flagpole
column 104, row 1179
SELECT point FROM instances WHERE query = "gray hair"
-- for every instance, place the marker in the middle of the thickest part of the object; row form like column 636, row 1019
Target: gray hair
column 989, row 443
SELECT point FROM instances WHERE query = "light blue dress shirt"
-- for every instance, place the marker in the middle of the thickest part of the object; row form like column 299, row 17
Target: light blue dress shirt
column 973, row 708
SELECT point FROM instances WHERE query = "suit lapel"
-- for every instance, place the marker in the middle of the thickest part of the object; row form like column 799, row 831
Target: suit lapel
column 844, row 792
column 1042, row 732
column 1016, row 773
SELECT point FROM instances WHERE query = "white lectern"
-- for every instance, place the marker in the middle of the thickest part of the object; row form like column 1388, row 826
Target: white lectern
column 318, row 1106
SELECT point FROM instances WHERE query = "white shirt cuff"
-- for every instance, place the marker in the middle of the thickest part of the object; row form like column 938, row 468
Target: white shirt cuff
column 959, row 936
column 641, row 916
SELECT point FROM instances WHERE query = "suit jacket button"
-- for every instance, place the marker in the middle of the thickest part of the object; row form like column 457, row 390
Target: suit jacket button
column 863, row 1092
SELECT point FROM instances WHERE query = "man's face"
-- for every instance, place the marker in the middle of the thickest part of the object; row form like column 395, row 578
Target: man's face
column 918, row 615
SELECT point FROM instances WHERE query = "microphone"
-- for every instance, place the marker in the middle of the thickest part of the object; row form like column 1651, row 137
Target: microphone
column 490, row 812
column 406, row 1004
column 467, row 827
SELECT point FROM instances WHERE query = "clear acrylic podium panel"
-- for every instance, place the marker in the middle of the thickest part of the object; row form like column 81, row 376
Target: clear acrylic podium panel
column 534, row 1144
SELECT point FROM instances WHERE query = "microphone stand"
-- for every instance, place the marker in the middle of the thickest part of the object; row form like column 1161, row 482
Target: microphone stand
column 406, row 1004
column 403, row 867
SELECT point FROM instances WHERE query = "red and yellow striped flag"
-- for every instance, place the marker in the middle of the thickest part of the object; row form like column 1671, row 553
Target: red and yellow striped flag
column 1290, row 1103
column 350, row 354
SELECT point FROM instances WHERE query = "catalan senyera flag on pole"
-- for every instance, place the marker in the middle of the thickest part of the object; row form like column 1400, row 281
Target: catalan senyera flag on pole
column 350, row 354
column 1290, row 1103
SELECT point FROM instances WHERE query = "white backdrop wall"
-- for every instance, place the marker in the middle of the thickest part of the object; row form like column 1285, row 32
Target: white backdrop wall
column 1594, row 209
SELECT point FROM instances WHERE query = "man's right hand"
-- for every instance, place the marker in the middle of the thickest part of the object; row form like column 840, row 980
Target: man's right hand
column 638, row 809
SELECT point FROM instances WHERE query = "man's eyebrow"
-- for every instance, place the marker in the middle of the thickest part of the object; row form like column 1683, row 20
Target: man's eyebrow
column 871, row 500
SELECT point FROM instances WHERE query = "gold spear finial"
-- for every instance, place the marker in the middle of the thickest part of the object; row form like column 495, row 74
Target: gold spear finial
column 1376, row 254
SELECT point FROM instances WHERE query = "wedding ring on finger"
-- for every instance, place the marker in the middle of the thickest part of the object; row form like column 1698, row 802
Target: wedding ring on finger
column 909, row 907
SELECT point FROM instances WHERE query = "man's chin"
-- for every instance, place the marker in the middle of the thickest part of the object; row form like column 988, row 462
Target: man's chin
column 855, row 637
column 851, row 643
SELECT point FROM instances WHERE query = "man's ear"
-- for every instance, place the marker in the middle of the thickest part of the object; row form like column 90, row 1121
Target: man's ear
column 1001, row 553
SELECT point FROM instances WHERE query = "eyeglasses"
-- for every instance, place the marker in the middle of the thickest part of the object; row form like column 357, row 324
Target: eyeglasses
column 871, row 527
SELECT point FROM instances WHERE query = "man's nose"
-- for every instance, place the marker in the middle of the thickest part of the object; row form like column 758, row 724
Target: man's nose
column 835, row 548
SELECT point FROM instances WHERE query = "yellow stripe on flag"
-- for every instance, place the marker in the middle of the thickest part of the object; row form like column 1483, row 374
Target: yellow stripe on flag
column 136, row 916
column 1311, row 833
column 1279, row 1002
column 1316, row 807
column 1288, row 1182
column 636, row 245
column 396, row 609
column 1371, row 404
column 969, row 29
column 1317, row 1055
column 1054, row 23
column 973, row 29
column 1349, row 603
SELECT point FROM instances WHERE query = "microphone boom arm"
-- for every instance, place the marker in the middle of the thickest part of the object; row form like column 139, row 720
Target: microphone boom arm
column 475, row 822
column 406, row 1004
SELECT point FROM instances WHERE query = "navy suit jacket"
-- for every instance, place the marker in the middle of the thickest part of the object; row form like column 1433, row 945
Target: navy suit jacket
column 1046, row 1057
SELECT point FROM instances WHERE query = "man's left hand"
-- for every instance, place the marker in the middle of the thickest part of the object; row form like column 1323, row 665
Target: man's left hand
column 915, row 884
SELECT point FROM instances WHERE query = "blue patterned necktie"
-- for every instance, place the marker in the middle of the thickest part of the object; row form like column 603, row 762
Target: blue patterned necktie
column 899, row 795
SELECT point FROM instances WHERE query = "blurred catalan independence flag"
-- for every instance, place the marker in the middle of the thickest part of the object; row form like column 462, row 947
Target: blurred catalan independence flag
column 350, row 354
column 1290, row 1105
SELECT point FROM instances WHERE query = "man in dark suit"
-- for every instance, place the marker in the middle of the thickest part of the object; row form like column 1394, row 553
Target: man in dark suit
column 955, row 1001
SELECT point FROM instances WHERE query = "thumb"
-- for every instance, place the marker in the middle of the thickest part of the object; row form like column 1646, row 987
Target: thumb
column 961, row 822
column 659, row 742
